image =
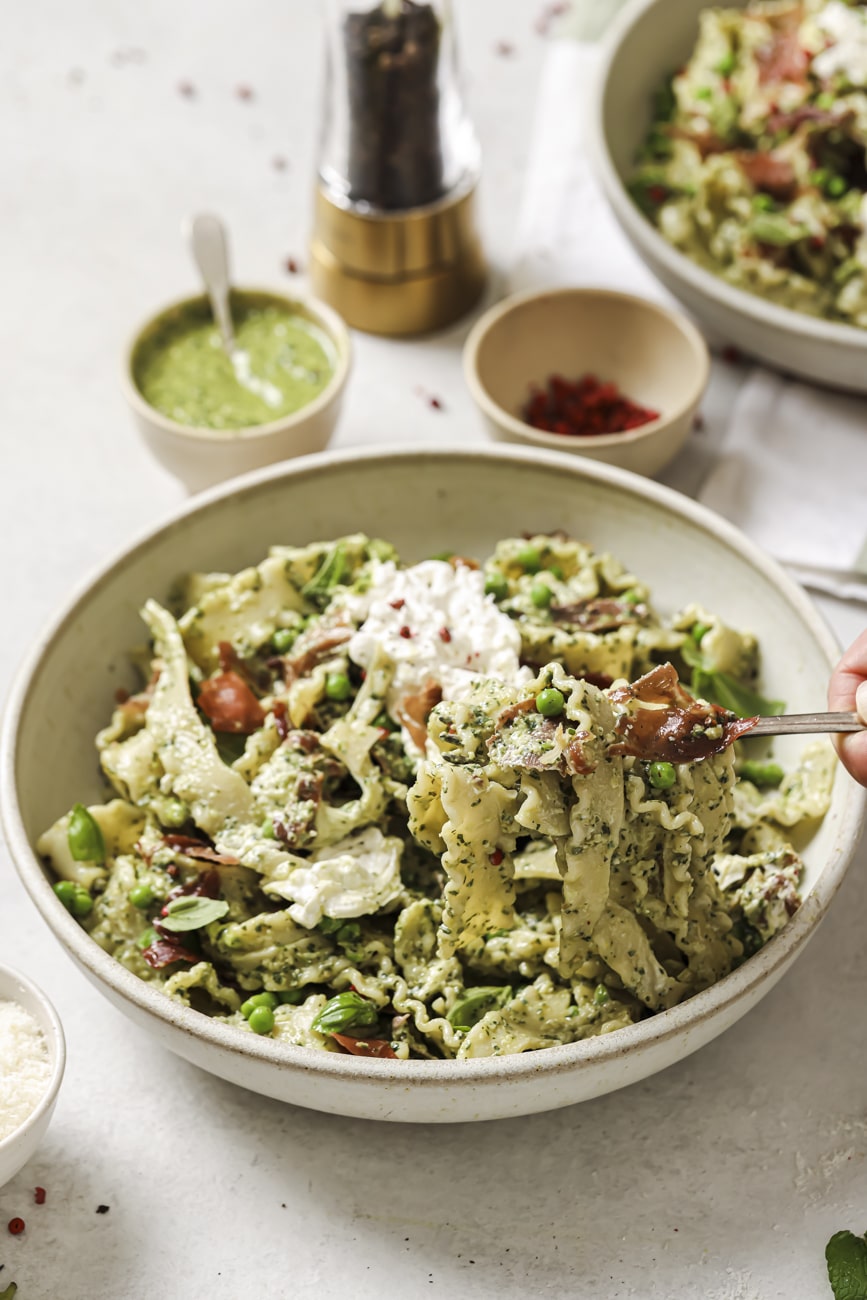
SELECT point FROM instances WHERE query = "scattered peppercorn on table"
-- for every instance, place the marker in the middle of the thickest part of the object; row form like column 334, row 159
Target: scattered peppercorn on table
column 723, row 1177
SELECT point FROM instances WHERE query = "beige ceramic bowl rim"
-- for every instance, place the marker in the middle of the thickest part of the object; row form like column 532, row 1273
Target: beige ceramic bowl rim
column 50, row 1025
column 323, row 315
column 497, row 413
column 431, row 1075
column 702, row 281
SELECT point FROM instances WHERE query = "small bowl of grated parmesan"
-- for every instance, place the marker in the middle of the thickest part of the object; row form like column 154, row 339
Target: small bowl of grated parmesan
column 32, row 1059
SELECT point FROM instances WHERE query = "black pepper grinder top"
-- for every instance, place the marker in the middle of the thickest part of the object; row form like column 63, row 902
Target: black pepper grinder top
column 399, row 163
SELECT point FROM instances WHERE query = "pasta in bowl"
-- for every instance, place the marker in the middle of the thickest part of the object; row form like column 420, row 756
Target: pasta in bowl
column 374, row 817
column 369, row 808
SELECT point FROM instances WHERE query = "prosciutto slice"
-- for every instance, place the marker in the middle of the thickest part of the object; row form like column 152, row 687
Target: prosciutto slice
column 662, row 722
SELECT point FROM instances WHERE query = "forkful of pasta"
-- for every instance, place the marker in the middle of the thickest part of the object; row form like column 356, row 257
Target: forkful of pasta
column 659, row 720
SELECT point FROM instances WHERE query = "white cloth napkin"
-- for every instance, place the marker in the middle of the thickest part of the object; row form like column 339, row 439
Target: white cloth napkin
column 784, row 461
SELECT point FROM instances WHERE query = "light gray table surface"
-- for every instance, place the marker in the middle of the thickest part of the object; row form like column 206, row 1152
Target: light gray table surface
column 721, row 1178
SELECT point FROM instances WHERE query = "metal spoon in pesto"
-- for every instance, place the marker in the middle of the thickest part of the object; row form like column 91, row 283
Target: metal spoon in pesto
column 209, row 245
column 210, row 249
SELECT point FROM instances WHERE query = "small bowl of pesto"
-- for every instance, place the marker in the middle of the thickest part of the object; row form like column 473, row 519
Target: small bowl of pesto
column 208, row 415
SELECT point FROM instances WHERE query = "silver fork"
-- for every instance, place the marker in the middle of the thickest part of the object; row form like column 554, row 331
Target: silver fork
column 791, row 724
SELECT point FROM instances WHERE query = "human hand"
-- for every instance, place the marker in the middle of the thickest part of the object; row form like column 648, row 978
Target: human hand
column 848, row 690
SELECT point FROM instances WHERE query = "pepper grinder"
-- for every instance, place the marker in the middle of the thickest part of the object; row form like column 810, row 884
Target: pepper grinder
column 394, row 245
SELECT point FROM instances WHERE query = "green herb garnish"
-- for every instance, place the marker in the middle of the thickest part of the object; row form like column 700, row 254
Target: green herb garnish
column 664, row 101
column 331, row 572
column 725, row 690
column 774, row 228
column 846, row 1257
column 475, row 1003
column 192, row 912
column 84, row 836
column 346, row 1011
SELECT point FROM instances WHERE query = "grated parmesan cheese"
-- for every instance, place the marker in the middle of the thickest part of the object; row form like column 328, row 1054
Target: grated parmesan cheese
column 25, row 1069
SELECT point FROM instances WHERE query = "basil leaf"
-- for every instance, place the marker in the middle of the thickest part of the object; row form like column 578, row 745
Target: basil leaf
column 773, row 228
column 230, row 747
column 346, row 1010
column 192, row 911
column 846, row 1257
column 723, row 689
column 690, row 653
column 84, row 836
column 665, row 101
column 475, row 1003
column 737, row 698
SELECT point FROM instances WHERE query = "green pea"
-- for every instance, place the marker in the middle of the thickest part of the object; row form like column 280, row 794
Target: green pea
column 825, row 100
column 385, row 722
column 529, row 559
column 698, row 630
column 338, row 686
column 704, row 92
column 550, row 702
column 763, row 203
column 662, row 776
column 820, row 177
column 292, row 997
column 761, row 773
column 836, row 187
column 541, row 595
column 283, row 639
column 141, row 896
column 727, row 64
column 556, row 572
column 65, row 891
column 349, row 939
column 497, row 585
column 146, row 938
column 261, row 1020
column 266, row 1000
column 173, row 813
column 267, row 830
column 84, row 836
column 630, row 597
column 600, row 995
column 82, row 903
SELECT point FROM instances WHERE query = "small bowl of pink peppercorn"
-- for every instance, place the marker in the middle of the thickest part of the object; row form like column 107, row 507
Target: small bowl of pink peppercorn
column 593, row 372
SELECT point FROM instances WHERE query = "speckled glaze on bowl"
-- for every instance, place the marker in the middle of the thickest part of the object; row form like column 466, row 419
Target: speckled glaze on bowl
column 655, row 356
column 202, row 457
column 423, row 501
column 19, row 1146
column 648, row 40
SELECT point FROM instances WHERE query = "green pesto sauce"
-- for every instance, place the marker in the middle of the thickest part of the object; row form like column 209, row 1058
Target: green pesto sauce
column 182, row 369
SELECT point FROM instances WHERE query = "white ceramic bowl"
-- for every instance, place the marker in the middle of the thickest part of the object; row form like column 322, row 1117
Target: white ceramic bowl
column 202, row 457
column 655, row 356
column 19, row 1146
column 647, row 42
column 423, row 501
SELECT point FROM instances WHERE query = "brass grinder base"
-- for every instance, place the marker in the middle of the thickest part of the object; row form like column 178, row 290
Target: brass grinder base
column 397, row 273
